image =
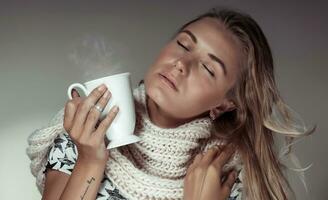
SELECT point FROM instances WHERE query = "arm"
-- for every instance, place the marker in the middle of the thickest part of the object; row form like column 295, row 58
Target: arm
column 63, row 166
column 60, row 185
column 54, row 185
column 84, row 182
column 80, row 123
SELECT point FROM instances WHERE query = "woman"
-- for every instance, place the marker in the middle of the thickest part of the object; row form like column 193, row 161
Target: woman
column 213, row 83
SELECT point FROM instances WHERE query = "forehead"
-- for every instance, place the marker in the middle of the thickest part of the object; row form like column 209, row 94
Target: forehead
column 214, row 38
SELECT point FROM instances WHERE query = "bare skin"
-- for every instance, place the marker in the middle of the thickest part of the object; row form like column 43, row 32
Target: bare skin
column 197, row 92
column 80, row 121
column 204, row 176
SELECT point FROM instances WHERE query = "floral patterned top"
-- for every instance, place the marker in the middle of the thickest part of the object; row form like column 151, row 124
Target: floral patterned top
column 63, row 155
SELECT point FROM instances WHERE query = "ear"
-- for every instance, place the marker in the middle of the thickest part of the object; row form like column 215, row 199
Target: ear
column 226, row 106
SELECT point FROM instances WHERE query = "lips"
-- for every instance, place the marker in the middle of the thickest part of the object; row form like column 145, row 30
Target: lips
column 170, row 79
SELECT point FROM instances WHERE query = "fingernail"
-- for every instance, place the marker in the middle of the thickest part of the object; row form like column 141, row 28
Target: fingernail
column 106, row 94
column 115, row 109
column 101, row 87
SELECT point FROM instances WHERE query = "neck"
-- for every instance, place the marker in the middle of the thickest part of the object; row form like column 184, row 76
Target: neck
column 161, row 118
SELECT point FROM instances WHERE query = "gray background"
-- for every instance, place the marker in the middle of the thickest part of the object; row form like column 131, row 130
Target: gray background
column 42, row 52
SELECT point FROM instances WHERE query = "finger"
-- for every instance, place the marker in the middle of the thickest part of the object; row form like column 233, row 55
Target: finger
column 209, row 156
column 228, row 183
column 94, row 114
column 97, row 124
column 85, row 107
column 96, row 94
column 195, row 162
column 75, row 93
column 197, row 159
column 106, row 122
column 223, row 157
column 69, row 113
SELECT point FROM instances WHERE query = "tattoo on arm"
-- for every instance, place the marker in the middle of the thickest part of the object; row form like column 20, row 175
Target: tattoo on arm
column 89, row 183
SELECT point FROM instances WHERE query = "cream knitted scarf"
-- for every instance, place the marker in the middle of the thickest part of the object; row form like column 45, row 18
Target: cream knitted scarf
column 153, row 168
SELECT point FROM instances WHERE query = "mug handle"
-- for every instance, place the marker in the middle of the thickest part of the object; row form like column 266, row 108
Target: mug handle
column 76, row 85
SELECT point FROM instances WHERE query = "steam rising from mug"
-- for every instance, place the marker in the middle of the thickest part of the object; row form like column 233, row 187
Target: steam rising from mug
column 93, row 56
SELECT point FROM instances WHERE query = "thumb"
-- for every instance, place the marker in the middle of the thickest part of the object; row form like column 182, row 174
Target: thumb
column 228, row 183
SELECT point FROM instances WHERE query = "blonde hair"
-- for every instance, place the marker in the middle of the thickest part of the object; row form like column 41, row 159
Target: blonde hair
column 260, row 114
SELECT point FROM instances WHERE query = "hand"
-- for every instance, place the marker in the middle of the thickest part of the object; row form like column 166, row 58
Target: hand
column 80, row 122
column 204, row 175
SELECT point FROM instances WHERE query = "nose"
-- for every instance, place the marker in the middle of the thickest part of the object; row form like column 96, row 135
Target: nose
column 184, row 64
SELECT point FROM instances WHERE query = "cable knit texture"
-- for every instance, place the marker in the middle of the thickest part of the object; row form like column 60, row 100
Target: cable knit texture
column 153, row 168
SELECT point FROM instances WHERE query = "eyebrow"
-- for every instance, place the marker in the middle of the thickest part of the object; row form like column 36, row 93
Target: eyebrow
column 213, row 57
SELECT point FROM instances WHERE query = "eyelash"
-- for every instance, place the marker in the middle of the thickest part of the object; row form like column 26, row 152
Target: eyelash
column 209, row 71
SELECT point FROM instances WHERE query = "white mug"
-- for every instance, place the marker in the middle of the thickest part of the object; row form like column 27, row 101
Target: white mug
column 120, row 132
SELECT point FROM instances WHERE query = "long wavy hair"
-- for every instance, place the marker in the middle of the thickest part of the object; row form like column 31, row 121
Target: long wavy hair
column 261, row 112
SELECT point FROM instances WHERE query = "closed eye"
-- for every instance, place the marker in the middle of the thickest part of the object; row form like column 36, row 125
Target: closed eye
column 179, row 43
column 209, row 71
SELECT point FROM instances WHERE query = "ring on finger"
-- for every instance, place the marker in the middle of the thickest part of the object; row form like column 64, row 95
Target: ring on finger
column 97, row 107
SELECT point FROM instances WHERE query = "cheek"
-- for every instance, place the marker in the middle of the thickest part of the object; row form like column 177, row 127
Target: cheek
column 197, row 100
column 168, row 54
column 205, row 98
column 203, row 95
column 164, row 59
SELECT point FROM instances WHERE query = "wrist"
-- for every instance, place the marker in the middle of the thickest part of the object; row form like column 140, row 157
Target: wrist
column 90, row 164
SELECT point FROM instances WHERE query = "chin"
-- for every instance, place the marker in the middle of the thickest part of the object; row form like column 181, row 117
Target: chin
column 158, row 92
column 154, row 94
column 158, row 97
column 153, row 89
